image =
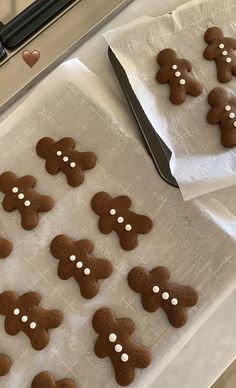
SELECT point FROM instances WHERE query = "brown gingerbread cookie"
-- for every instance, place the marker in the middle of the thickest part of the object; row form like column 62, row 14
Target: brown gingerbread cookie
column 115, row 215
column 158, row 291
column 20, row 195
column 46, row 380
column 61, row 156
column 223, row 112
column 114, row 341
column 5, row 248
column 5, row 365
column 23, row 313
column 76, row 260
column 175, row 71
column 221, row 49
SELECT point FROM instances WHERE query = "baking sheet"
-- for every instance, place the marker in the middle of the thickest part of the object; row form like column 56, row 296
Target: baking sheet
column 184, row 237
column 195, row 144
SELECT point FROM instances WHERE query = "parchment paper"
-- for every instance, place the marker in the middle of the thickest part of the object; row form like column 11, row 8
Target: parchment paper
column 73, row 102
column 199, row 162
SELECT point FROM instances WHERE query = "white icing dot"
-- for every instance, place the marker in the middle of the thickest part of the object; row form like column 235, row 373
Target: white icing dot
column 124, row 357
column 177, row 74
column 225, row 52
column 118, row 348
column 59, row 153
column 165, row 295
column 112, row 337
column 21, row 196
column 174, row 301
column 16, row 312
column 33, row 325
column 128, row 227
column 174, row 67
column 72, row 257
column 79, row 264
column 234, row 124
column 155, row 289
column 232, row 115
column 228, row 60
column 112, row 212
column 65, row 159
column 120, row 220
column 72, row 164
column 87, row 271
column 15, row 190
column 27, row 203
column 182, row 82
column 221, row 45
column 228, row 108
column 24, row 318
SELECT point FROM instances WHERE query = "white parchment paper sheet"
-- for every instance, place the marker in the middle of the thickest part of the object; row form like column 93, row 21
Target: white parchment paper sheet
column 73, row 102
column 199, row 162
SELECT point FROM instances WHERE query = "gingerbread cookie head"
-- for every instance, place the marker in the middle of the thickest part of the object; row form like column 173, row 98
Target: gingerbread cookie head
column 176, row 72
column 47, row 380
column 158, row 291
column 221, row 49
column 19, row 194
column 23, row 313
column 5, row 248
column 5, row 365
column 114, row 341
column 223, row 112
column 115, row 215
column 76, row 260
column 61, row 156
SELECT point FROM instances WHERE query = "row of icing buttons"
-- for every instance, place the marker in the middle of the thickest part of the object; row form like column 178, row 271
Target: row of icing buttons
column 231, row 114
column 66, row 159
column 178, row 74
column 79, row 264
column 222, row 46
column 120, row 220
column 24, row 319
column 118, row 348
column 21, row 196
column 165, row 295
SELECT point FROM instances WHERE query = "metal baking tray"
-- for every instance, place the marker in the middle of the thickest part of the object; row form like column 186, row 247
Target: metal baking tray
column 158, row 150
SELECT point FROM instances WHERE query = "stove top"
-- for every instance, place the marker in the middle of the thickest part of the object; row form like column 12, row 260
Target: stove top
column 37, row 36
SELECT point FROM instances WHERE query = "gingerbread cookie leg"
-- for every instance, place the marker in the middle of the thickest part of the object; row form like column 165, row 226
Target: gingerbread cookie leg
column 5, row 248
column 114, row 341
column 47, row 380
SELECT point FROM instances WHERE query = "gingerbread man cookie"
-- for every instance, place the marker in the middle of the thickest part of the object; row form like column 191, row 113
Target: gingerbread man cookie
column 5, row 248
column 115, row 215
column 61, row 156
column 158, row 291
column 20, row 195
column 46, row 380
column 221, row 49
column 5, row 365
column 175, row 71
column 76, row 260
column 223, row 112
column 114, row 341
column 23, row 313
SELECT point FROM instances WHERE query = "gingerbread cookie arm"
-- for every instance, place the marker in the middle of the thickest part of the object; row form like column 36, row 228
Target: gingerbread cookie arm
column 210, row 52
column 126, row 324
column 10, row 326
column 5, row 248
column 5, row 364
column 28, row 181
column 99, row 348
column 8, row 205
column 7, row 301
column 163, row 74
column 231, row 42
column 85, row 245
column 187, row 64
column 30, row 298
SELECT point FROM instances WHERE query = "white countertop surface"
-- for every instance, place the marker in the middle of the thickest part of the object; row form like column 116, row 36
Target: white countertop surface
column 213, row 347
